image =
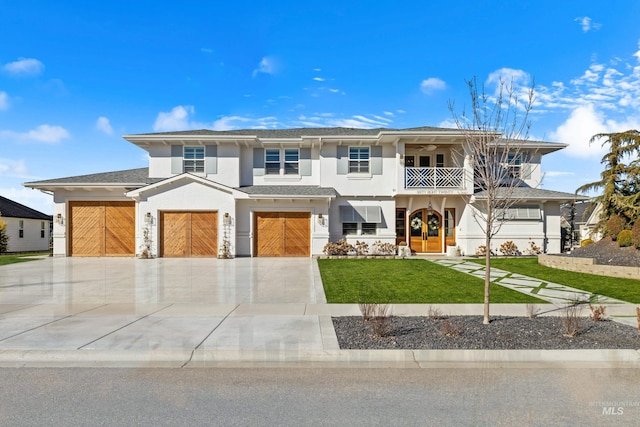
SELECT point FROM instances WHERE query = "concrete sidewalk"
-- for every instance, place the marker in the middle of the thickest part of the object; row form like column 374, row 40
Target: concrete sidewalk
column 197, row 312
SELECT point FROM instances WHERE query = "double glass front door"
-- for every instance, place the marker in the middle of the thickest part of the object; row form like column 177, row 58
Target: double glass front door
column 425, row 231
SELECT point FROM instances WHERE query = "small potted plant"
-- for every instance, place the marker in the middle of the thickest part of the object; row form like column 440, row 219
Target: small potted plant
column 403, row 249
column 452, row 249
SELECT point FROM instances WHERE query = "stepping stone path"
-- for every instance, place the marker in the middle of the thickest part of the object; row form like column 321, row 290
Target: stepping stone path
column 547, row 291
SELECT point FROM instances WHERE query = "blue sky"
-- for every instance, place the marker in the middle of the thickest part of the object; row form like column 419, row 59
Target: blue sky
column 75, row 77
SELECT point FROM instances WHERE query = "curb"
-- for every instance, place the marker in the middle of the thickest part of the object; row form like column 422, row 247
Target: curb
column 421, row 359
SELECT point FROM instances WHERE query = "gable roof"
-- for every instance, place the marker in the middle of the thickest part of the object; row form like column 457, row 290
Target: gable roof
column 11, row 209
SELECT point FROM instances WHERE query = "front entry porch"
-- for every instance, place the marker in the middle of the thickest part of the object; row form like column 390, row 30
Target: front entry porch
column 426, row 230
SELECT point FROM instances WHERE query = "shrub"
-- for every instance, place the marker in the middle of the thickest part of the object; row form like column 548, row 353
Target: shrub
column 379, row 248
column 342, row 247
column 586, row 242
column 4, row 238
column 615, row 225
column 625, row 238
column 635, row 234
column 362, row 248
column 598, row 313
column 509, row 249
column 482, row 251
column 533, row 249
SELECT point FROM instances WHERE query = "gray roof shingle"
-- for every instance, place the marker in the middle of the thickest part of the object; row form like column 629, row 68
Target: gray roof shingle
column 288, row 190
column 11, row 209
column 297, row 132
column 130, row 176
column 524, row 192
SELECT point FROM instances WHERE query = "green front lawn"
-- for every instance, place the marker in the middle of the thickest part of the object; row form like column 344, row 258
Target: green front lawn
column 12, row 259
column 613, row 287
column 404, row 281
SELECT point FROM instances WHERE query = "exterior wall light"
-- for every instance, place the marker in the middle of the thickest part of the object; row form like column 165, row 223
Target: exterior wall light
column 59, row 219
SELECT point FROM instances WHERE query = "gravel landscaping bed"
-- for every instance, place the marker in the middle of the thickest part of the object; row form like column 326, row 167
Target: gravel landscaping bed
column 607, row 252
column 468, row 332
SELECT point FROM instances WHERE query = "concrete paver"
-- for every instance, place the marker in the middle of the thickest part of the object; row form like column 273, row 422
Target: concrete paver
column 206, row 312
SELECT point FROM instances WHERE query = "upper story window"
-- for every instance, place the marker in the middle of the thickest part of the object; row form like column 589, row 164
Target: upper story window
column 272, row 161
column 42, row 230
column 193, row 159
column 514, row 163
column 21, row 229
column 287, row 160
column 291, row 161
column 358, row 159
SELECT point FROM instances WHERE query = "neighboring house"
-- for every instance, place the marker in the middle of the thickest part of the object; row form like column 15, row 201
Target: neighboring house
column 28, row 229
column 586, row 217
column 288, row 192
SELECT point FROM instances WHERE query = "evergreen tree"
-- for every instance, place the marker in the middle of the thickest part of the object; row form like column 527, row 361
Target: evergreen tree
column 620, row 180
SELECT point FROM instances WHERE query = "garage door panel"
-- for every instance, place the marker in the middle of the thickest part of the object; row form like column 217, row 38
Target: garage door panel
column 269, row 234
column 175, row 234
column 99, row 228
column 282, row 233
column 204, row 233
column 120, row 229
column 186, row 234
column 86, row 229
column 297, row 234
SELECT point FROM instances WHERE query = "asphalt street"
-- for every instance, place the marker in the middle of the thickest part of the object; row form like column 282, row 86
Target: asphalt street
column 353, row 397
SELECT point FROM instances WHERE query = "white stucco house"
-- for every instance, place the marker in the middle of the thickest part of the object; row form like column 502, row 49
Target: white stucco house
column 288, row 192
column 28, row 230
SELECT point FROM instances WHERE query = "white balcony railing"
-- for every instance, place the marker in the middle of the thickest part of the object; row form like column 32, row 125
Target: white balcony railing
column 434, row 178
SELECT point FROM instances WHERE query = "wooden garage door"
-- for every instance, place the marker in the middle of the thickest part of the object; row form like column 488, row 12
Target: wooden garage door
column 189, row 234
column 282, row 233
column 100, row 228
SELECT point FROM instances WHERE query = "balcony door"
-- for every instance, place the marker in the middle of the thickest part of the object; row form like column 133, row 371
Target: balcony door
column 425, row 231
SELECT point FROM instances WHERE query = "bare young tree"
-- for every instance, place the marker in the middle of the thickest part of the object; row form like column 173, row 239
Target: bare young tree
column 495, row 132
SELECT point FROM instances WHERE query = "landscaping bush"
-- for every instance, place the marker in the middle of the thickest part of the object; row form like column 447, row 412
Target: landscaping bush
column 615, row 225
column 379, row 248
column 342, row 247
column 635, row 234
column 362, row 248
column 509, row 249
column 586, row 242
column 625, row 238
column 4, row 238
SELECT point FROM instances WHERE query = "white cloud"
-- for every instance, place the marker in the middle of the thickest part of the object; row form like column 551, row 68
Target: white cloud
column 388, row 113
column 42, row 133
column 4, row 101
column 13, row 168
column 508, row 76
column 431, row 85
column 553, row 174
column 587, row 24
column 318, row 79
column 25, row 67
column 176, row 119
column 359, row 121
column 102, row 124
column 266, row 66
column 206, row 50
column 577, row 130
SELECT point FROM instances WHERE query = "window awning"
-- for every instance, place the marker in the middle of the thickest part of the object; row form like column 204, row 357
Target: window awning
column 361, row 214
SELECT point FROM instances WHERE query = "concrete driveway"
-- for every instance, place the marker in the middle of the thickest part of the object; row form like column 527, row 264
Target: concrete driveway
column 114, row 304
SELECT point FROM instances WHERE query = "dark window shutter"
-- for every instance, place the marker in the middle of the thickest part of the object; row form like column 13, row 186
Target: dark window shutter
column 176, row 159
column 211, row 159
column 258, row 161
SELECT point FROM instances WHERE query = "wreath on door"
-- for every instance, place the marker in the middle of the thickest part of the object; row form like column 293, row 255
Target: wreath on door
column 433, row 223
column 416, row 223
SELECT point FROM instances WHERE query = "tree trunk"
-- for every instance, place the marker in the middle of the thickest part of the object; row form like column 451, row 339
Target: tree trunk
column 487, row 268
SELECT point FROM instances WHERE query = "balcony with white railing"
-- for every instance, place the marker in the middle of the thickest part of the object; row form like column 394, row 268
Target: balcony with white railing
column 439, row 180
